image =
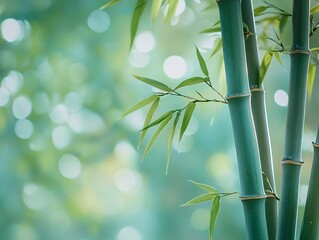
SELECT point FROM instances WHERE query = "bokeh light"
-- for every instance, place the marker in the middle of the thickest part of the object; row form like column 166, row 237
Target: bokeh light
column 69, row 166
column 98, row 21
column 281, row 98
column 175, row 67
column 11, row 30
column 21, row 107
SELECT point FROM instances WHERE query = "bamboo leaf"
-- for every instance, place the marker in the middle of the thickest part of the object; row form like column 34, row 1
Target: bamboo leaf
column 311, row 78
column 148, row 119
column 153, row 83
column 205, row 187
column 214, row 210
column 217, row 48
column 212, row 30
column 264, row 65
column 109, row 4
column 277, row 56
column 201, row 198
column 156, row 134
column 156, row 6
column 190, row 81
column 140, row 104
column 170, row 140
column 159, row 120
column 314, row 9
column 202, row 63
column 258, row 11
column 139, row 8
column 171, row 9
column 283, row 22
column 187, row 116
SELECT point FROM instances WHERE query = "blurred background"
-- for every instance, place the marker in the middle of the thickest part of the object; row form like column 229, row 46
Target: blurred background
column 69, row 166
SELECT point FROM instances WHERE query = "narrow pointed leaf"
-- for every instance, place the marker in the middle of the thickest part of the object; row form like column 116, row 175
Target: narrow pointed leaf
column 314, row 9
column 141, row 104
column 264, row 65
column 218, row 45
column 159, row 120
column 201, row 198
column 205, row 187
column 190, row 81
column 148, row 119
column 258, row 11
column 202, row 63
column 156, row 6
column 212, row 30
column 311, row 78
column 171, row 10
column 156, row 134
column 187, row 116
column 277, row 56
column 214, row 210
column 283, row 23
column 153, row 83
column 109, row 4
column 139, row 8
column 170, row 140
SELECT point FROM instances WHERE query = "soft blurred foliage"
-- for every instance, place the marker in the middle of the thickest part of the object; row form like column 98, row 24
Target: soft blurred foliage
column 69, row 168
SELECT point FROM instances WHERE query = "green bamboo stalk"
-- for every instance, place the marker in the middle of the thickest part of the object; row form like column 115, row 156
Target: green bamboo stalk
column 259, row 114
column 238, row 96
column 291, row 164
column 310, row 224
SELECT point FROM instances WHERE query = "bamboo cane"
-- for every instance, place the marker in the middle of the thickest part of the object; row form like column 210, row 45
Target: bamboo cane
column 292, row 162
column 259, row 114
column 310, row 224
column 238, row 96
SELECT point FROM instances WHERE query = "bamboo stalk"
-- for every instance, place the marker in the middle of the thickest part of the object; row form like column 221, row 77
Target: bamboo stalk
column 259, row 114
column 291, row 168
column 238, row 96
column 310, row 224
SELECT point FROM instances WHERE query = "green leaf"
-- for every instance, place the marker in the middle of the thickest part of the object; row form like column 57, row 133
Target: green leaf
column 214, row 210
column 156, row 134
column 205, row 187
column 202, row 63
column 277, row 56
column 314, row 9
column 201, row 198
column 109, row 4
column 170, row 140
column 148, row 119
column 153, row 83
column 139, row 8
column 283, row 23
column 258, row 11
column 264, row 66
column 156, row 6
column 191, row 81
column 212, row 30
column 218, row 47
column 171, row 9
column 311, row 79
column 141, row 104
column 160, row 119
column 187, row 116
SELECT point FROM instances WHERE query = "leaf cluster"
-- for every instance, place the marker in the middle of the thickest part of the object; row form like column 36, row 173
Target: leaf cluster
column 211, row 195
column 186, row 112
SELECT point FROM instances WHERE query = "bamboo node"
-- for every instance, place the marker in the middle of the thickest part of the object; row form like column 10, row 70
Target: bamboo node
column 315, row 145
column 252, row 197
column 291, row 162
column 255, row 89
column 238, row 96
column 300, row 51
